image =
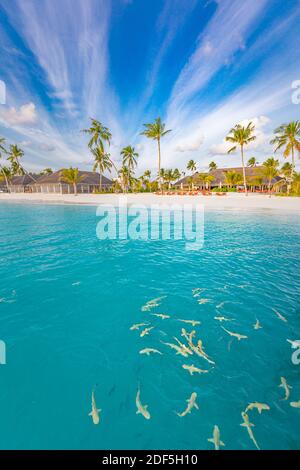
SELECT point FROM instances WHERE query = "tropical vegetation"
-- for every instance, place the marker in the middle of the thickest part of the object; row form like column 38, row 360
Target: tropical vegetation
column 71, row 176
column 270, row 174
column 287, row 138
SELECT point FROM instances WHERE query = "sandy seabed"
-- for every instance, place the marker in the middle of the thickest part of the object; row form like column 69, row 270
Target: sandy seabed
column 232, row 201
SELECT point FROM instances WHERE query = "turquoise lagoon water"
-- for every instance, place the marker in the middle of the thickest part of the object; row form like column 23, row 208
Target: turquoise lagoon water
column 69, row 299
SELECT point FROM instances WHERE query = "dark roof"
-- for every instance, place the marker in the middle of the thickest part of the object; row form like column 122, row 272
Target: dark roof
column 87, row 177
column 220, row 174
column 23, row 180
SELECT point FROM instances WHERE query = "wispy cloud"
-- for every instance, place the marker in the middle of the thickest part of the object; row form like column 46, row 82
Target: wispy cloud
column 225, row 35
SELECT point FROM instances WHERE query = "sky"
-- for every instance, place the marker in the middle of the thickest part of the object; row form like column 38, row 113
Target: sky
column 201, row 65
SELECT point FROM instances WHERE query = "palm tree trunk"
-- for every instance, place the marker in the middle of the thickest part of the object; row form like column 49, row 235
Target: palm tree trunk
column 293, row 161
column 75, row 189
column 6, row 179
column 270, row 188
column 244, row 171
column 159, row 161
column 100, row 181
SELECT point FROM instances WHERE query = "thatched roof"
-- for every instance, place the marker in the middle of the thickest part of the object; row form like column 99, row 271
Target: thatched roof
column 23, row 180
column 86, row 177
column 220, row 175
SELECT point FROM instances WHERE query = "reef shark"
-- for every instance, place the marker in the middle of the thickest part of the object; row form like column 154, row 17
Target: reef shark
column 246, row 423
column 216, row 438
column 235, row 335
column 141, row 409
column 95, row 411
column 286, row 388
column 259, row 406
column 192, row 369
column 191, row 404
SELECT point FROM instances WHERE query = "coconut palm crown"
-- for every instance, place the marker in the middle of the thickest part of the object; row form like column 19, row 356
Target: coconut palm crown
column 71, row 176
column 287, row 137
column 129, row 157
column 102, row 161
column 98, row 133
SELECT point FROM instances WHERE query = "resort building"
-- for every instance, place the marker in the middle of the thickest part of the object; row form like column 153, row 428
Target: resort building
column 220, row 178
column 21, row 184
column 89, row 182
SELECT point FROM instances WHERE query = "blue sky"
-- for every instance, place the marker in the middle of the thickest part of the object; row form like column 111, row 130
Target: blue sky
column 202, row 65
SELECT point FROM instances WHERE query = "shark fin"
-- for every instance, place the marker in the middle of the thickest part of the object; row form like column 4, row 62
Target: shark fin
column 196, row 406
column 91, row 413
column 211, row 440
column 222, row 443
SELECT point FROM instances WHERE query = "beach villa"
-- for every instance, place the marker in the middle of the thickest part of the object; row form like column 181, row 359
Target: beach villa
column 54, row 183
column 254, row 175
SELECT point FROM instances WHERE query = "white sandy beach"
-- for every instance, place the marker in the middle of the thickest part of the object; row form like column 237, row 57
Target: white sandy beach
column 232, row 201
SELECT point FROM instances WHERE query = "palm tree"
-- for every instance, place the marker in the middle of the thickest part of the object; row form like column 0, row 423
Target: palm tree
column 46, row 171
column 14, row 156
column 252, row 162
column 296, row 184
column 162, row 177
column 242, row 136
column 129, row 157
column 145, row 178
column 3, row 151
column 201, row 179
column 98, row 133
column 176, row 174
column 212, row 166
column 288, row 136
column 257, row 181
column 191, row 166
column 125, row 177
column 102, row 161
column 270, row 171
column 71, row 176
column 156, row 131
column 233, row 178
column 287, row 170
column 208, row 180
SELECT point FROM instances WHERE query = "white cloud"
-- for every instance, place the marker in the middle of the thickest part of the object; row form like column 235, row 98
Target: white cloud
column 261, row 137
column 13, row 116
column 46, row 147
column 191, row 143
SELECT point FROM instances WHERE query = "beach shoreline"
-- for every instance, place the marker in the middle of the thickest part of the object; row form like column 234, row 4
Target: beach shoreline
column 232, row 201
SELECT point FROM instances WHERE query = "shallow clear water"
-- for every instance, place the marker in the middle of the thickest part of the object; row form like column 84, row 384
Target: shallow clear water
column 68, row 301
